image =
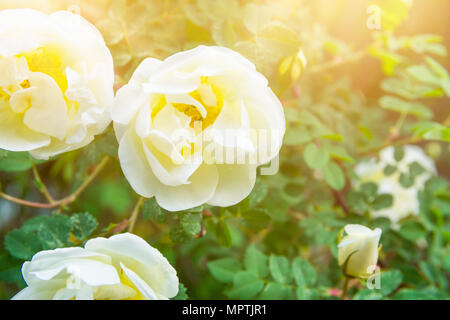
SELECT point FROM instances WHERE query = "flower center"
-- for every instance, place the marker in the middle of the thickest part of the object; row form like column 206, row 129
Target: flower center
column 50, row 60
column 208, row 95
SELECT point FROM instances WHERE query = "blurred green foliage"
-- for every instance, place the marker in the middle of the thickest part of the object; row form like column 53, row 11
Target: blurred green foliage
column 280, row 242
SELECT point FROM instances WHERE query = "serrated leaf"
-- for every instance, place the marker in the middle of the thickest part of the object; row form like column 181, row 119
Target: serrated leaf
column 82, row 225
column 334, row 176
column 16, row 161
column 304, row 272
column 22, row 244
column 191, row 223
column 275, row 291
column 246, row 285
column 316, row 157
column 390, row 280
column 280, row 269
column 382, row 201
column 256, row 262
column 224, row 269
column 413, row 108
column 151, row 209
column 182, row 293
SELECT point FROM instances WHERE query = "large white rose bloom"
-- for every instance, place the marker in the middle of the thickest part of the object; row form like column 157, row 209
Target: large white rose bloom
column 405, row 200
column 358, row 250
column 193, row 128
column 121, row 267
column 56, row 82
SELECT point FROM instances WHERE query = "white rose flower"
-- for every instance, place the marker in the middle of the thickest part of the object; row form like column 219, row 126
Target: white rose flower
column 405, row 200
column 121, row 267
column 358, row 250
column 193, row 128
column 56, row 82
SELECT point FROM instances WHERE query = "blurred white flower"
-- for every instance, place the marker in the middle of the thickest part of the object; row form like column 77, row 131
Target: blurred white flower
column 405, row 200
column 121, row 267
column 193, row 128
column 56, row 82
column 358, row 250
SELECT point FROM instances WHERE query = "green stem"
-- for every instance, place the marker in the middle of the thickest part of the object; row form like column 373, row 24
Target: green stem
column 344, row 292
column 65, row 201
column 135, row 213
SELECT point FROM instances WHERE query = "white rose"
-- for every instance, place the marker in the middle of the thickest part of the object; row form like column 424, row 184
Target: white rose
column 358, row 250
column 121, row 267
column 56, row 82
column 405, row 200
column 193, row 128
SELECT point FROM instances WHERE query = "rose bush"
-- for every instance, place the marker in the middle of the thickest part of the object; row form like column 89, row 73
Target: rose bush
column 121, row 267
column 193, row 128
column 56, row 82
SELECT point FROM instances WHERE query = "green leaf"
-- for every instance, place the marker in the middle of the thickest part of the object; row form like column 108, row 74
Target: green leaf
column 369, row 189
column 316, row 157
column 296, row 135
column 3, row 153
column 412, row 231
column 382, row 201
column 182, row 293
column 368, row 294
column 389, row 170
column 224, row 269
column 412, row 294
column 340, row 153
column 256, row 262
column 334, row 176
column 54, row 232
column 246, row 285
column 390, row 280
column 413, row 108
column 258, row 193
column 415, row 169
column 191, row 223
column 10, row 269
column 275, row 291
column 22, row 244
column 16, row 161
column 304, row 272
column 151, row 209
column 82, row 225
column 280, row 269
column 406, row 180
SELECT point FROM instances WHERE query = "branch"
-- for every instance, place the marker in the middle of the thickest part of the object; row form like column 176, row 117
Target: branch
column 65, row 201
column 135, row 213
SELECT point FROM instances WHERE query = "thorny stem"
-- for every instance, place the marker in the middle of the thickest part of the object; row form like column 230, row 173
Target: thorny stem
column 135, row 213
column 57, row 203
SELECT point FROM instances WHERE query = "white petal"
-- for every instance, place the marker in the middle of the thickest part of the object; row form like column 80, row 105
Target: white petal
column 235, row 184
column 134, row 165
column 353, row 229
column 202, row 186
column 44, row 290
column 15, row 136
column 48, row 112
column 143, row 259
column 13, row 71
column 140, row 284
column 167, row 171
column 127, row 102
